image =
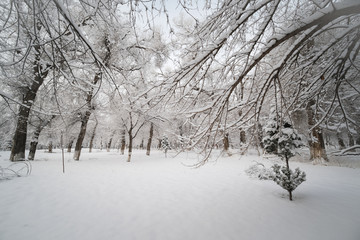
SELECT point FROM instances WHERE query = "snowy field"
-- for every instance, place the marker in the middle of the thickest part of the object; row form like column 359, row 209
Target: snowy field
column 104, row 197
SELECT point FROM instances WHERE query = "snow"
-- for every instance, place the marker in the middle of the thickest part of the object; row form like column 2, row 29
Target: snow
column 104, row 197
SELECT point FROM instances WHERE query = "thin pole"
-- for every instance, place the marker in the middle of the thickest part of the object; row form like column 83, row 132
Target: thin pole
column 62, row 152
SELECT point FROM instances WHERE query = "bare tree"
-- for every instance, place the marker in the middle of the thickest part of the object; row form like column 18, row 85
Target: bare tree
column 269, row 47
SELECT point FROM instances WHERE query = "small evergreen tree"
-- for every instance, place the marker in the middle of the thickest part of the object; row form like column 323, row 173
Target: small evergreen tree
column 286, row 140
column 288, row 179
column 165, row 145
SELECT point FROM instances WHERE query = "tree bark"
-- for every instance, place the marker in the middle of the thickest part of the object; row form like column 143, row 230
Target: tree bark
column 159, row 143
column 130, row 144
column 81, row 136
column 242, row 141
column 123, row 142
column 357, row 140
column 70, row 145
column 50, row 147
column 316, row 140
column 226, row 144
column 19, row 139
column 242, row 136
column 89, row 97
column 93, row 136
column 35, row 138
column 340, row 141
column 351, row 140
column 151, row 133
column 32, row 151
column 110, row 141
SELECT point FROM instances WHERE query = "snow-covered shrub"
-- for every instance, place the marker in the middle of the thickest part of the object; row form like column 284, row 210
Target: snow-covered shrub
column 259, row 171
column 288, row 179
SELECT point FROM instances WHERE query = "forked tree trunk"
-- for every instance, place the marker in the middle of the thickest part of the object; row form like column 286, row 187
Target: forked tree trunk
column 151, row 133
column 35, row 138
column 123, row 142
column 19, row 139
column 316, row 139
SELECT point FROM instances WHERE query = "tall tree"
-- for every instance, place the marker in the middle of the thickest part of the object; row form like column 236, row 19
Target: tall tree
column 268, row 47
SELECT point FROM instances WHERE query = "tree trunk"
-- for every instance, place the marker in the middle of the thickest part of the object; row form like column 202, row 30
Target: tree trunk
column 34, row 142
column 85, row 119
column 89, row 97
column 123, row 142
column 226, row 144
column 151, row 133
column 242, row 136
column 316, row 140
column 130, row 145
column 33, row 145
column 357, row 136
column 288, row 175
column 290, row 195
column 93, row 136
column 19, row 139
column 70, row 145
column 351, row 140
column 340, row 141
column 35, row 138
column 242, row 141
column 159, row 143
column 50, row 147
column 142, row 144
column 109, row 145
column 81, row 135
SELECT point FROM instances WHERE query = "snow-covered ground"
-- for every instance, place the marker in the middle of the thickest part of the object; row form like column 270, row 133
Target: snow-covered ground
column 104, row 197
